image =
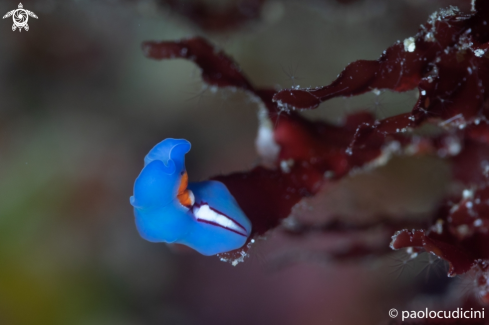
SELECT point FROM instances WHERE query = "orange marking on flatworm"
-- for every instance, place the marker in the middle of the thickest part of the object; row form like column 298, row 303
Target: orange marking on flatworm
column 183, row 194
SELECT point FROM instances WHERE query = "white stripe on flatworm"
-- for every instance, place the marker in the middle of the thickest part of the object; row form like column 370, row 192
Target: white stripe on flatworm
column 206, row 214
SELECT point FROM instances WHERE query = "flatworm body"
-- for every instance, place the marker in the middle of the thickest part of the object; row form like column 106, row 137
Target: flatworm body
column 203, row 215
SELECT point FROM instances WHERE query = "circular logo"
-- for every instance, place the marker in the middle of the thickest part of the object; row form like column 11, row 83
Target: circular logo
column 20, row 17
column 393, row 313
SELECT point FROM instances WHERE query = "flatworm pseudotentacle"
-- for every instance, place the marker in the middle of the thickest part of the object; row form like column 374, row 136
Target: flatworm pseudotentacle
column 203, row 215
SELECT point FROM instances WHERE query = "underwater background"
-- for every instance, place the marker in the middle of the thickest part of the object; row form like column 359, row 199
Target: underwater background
column 80, row 106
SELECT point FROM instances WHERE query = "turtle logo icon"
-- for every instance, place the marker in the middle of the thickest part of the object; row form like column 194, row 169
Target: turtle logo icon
column 20, row 17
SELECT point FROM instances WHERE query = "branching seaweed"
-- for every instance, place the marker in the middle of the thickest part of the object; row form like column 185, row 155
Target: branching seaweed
column 447, row 61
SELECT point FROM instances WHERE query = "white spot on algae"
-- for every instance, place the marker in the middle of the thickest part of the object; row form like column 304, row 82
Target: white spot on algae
column 463, row 230
column 285, row 165
column 439, row 226
column 409, row 44
column 479, row 53
column 468, row 194
column 265, row 144
column 376, row 91
column 241, row 258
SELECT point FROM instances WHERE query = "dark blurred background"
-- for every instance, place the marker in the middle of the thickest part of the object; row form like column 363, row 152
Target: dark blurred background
column 80, row 106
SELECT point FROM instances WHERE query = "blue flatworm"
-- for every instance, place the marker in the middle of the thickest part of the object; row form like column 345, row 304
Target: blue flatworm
column 203, row 215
